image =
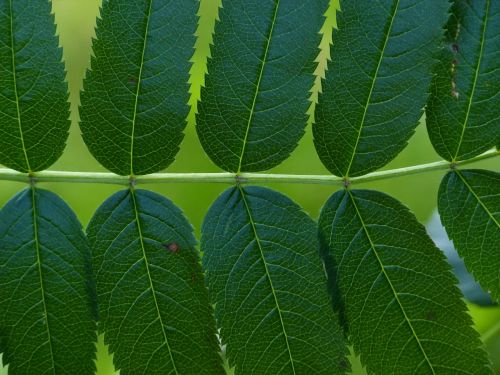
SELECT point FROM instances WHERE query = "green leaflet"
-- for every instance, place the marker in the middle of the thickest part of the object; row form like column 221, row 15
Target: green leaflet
column 253, row 106
column 47, row 313
column 269, row 287
column 403, row 311
column 376, row 83
column 469, row 206
column 134, row 103
column 463, row 112
column 153, row 304
column 34, row 112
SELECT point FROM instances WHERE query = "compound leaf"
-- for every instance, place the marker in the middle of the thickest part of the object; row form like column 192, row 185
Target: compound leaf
column 47, row 311
column 469, row 206
column 403, row 310
column 34, row 108
column 134, row 103
column 463, row 111
column 253, row 106
column 376, row 83
column 153, row 303
column 267, row 281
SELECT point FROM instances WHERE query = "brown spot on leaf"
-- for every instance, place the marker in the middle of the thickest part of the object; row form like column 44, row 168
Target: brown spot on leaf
column 454, row 63
column 194, row 278
column 172, row 247
column 454, row 91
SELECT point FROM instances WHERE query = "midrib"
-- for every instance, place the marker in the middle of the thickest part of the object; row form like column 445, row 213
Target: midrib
column 369, row 98
column 480, row 202
column 268, row 275
column 40, row 275
column 474, row 84
column 386, row 276
column 150, row 279
column 138, row 89
column 16, row 94
column 257, row 87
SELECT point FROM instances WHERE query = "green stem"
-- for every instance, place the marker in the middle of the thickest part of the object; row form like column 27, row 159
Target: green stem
column 230, row 178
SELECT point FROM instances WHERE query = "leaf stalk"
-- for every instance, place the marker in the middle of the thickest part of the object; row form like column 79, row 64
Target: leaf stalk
column 231, row 178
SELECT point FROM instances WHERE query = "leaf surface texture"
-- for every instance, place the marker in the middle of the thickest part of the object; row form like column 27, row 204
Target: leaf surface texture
column 47, row 313
column 153, row 303
column 469, row 206
column 376, row 84
column 34, row 108
column 463, row 113
column 253, row 106
column 268, row 284
column 134, row 103
column 403, row 310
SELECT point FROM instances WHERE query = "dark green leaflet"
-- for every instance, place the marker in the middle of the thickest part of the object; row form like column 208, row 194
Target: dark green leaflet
column 253, row 106
column 34, row 108
column 47, row 313
column 469, row 206
column 463, row 113
column 153, row 304
column 269, row 287
column 134, row 103
column 403, row 310
column 376, row 83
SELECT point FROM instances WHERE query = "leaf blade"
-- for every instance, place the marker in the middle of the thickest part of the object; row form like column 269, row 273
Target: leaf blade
column 47, row 315
column 264, row 243
column 34, row 125
column 251, row 99
column 134, row 103
column 376, row 82
column 469, row 206
column 403, row 311
column 153, row 303
column 463, row 111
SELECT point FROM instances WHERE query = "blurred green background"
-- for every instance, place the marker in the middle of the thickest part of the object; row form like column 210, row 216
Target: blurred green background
column 75, row 24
